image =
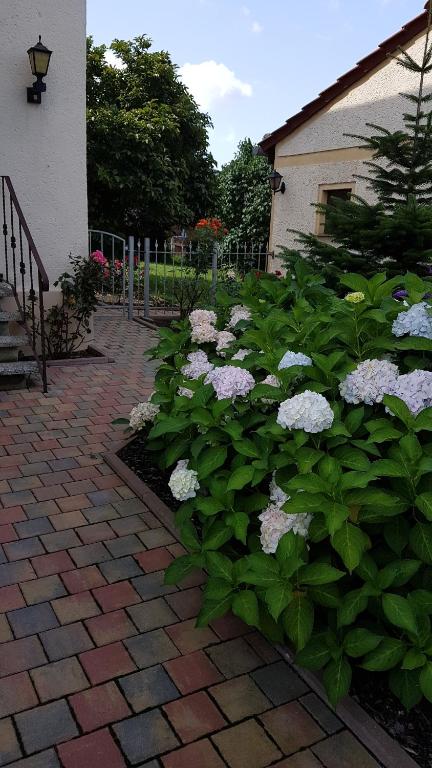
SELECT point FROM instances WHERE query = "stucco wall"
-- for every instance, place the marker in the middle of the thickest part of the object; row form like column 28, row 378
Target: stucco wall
column 375, row 99
column 43, row 147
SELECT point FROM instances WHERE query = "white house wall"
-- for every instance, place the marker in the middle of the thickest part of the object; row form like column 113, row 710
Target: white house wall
column 43, row 147
column 298, row 157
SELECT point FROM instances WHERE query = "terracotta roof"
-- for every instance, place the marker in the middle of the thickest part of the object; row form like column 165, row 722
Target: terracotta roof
column 363, row 67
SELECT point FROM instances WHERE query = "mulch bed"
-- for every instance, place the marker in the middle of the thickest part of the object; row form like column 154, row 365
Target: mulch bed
column 413, row 730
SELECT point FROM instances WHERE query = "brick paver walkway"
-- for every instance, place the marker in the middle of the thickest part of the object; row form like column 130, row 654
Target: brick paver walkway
column 100, row 664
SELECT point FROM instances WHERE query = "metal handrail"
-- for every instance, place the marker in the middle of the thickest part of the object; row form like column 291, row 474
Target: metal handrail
column 15, row 231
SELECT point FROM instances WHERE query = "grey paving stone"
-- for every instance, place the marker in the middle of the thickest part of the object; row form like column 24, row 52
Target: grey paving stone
column 152, row 614
column 66, row 641
column 125, row 545
column 41, row 590
column 119, row 569
column 45, row 726
column 151, row 648
column 89, row 554
column 31, row 620
column 53, row 542
column 35, row 527
column 9, row 747
column 148, row 688
column 156, row 537
column 234, row 657
column 145, row 736
column 323, row 714
column 47, row 759
column 100, row 514
column 151, row 585
column 19, row 550
column 130, row 507
column 279, row 683
column 12, row 573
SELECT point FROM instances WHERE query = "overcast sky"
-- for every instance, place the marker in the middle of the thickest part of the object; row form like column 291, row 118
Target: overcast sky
column 253, row 64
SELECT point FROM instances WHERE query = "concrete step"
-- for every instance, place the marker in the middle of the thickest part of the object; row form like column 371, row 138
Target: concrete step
column 19, row 368
column 5, row 290
column 13, row 341
column 10, row 317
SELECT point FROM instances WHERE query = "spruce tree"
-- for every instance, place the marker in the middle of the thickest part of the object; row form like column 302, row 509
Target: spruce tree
column 394, row 233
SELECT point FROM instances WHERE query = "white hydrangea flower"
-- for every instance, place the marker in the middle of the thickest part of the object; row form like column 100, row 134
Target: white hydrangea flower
column 309, row 411
column 183, row 482
column 198, row 365
column 369, row 382
column 294, row 358
column 277, row 495
column 238, row 312
column 241, row 354
column 230, row 381
column 141, row 414
column 416, row 321
column 204, row 333
column 415, row 389
column 202, row 317
column 185, row 392
column 275, row 523
column 224, row 340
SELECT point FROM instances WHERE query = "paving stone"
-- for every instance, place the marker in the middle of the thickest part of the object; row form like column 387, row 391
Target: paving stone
column 197, row 755
column 59, row 679
column 16, row 694
column 188, row 638
column 292, row 727
column 57, row 562
column 66, row 641
column 45, row 726
column 90, row 554
column 9, row 747
column 19, row 550
column 229, row 626
column 75, row 607
column 192, row 672
column 46, row 759
column 100, row 514
column 115, row 596
column 343, row 751
column 35, row 527
column 151, row 648
column 124, row 545
column 7, row 533
column 154, row 559
column 40, row 590
column 303, row 759
column 144, row 736
column 99, row 706
column 33, row 619
column 98, row 750
column 120, row 568
column 151, row 585
column 235, row 657
column 20, row 655
column 156, row 537
column 152, row 615
column 240, row 698
column 65, row 520
column 41, row 509
column 262, row 648
column 279, row 683
column 194, row 716
column 107, row 662
column 127, row 525
column 148, row 688
column 91, row 534
column 246, row 744
column 128, row 507
column 323, row 714
column 110, row 627
column 53, row 542
column 186, row 604
column 19, row 498
column 5, row 630
column 83, row 579
column 11, row 598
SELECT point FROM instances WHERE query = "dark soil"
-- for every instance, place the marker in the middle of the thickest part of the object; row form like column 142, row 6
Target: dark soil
column 413, row 730
column 81, row 353
column 142, row 462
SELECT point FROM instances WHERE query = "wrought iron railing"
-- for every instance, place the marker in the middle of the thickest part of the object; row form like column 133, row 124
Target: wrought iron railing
column 22, row 269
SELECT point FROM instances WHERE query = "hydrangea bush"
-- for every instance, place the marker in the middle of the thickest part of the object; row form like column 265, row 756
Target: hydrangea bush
column 303, row 459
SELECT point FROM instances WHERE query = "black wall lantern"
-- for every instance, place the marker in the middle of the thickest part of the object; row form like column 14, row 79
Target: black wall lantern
column 276, row 183
column 39, row 56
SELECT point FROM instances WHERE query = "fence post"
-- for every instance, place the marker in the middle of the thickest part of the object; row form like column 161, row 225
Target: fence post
column 131, row 255
column 214, row 272
column 146, row 278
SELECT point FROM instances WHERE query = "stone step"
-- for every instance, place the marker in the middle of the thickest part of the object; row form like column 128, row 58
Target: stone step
column 5, row 290
column 19, row 368
column 13, row 341
column 10, row 317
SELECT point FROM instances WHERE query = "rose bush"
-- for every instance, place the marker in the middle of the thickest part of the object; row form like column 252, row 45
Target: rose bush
column 305, row 466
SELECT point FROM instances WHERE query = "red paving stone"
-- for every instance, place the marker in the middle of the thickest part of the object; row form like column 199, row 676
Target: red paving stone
column 60, row 503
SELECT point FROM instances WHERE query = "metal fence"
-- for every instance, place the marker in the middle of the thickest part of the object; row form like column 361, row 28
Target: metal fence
column 164, row 280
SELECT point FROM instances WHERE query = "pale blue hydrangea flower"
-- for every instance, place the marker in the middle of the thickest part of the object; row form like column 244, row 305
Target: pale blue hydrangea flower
column 228, row 381
column 416, row 321
column 308, row 410
column 415, row 389
column 369, row 382
column 294, row 358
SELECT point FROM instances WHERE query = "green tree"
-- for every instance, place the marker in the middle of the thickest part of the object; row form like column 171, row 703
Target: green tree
column 245, row 196
column 395, row 232
column 149, row 165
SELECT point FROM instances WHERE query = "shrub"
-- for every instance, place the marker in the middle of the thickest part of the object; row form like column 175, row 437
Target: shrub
column 307, row 484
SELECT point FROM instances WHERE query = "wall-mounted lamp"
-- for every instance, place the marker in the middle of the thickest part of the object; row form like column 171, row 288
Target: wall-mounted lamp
column 276, row 183
column 39, row 56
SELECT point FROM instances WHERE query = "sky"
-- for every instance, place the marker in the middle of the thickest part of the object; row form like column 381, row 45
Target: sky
column 253, row 64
